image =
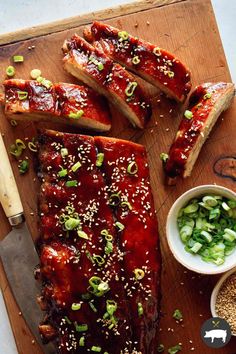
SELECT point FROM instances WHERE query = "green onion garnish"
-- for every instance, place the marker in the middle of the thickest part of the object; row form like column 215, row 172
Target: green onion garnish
column 46, row 83
column 111, row 307
column 119, row 226
column 157, row 51
column 171, row 74
column 114, row 199
column 160, row 348
column 123, row 35
column 18, row 58
column 62, row 173
column 67, row 320
column 76, row 166
column 129, row 91
column 10, row 71
column 82, row 341
column 81, row 328
column 73, row 183
column 32, row 146
column 20, row 144
column 108, row 247
column 175, row 349
column 126, row 204
column 139, row 273
column 100, row 66
column 132, row 168
column 71, row 224
column 188, row 114
column 104, row 232
column 22, row 95
column 140, row 309
column 76, row 115
column 64, row 152
column 177, row 315
column 135, row 60
column 92, row 306
column 17, row 148
column 76, row 306
column 100, row 159
column 23, row 166
column 82, row 234
column 164, row 157
column 98, row 259
column 13, row 123
column 35, row 73
column 98, row 287
column 96, row 349
column 207, row 96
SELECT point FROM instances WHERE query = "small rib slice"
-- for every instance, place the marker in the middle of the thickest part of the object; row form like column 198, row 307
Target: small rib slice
column 95, row 69
column 155, row 65
column 31, row 100
column 206, row 104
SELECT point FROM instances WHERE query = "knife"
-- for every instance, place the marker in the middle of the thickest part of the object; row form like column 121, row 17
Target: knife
column 17, row 251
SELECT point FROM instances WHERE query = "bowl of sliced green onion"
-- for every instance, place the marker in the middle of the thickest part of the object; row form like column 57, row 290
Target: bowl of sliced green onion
column 201, row 229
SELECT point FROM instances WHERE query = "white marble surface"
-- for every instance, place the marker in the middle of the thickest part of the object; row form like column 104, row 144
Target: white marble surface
column 17, row 14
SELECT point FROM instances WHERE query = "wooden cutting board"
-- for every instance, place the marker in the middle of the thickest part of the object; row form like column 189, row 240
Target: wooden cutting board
column 188, row 29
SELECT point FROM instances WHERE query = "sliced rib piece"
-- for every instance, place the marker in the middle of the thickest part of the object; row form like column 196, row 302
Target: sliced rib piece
column 206, row 104
column 155, row 65
column 127, row 174
column 71, row 256
column 62, row 102
column 95, row 69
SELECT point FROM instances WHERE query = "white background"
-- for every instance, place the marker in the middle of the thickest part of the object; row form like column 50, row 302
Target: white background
column 18, row 14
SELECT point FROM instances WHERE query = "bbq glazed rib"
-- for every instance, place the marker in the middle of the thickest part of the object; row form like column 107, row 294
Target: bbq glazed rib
column 154, row 64
column 88, row 265
column 62, row 102
column 94, row 68
column 206, row 103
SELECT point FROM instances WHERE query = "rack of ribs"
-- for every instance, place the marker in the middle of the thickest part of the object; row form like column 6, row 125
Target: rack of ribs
column 154, row 64
column 206, row 103
column 99, row 250
column 95, row 69
column 65, row 103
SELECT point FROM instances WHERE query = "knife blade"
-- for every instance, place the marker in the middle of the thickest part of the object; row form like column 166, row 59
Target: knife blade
column 17, row 251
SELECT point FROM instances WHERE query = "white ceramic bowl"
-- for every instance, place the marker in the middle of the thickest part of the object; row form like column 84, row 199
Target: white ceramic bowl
column 216, row 290
column 194, row 262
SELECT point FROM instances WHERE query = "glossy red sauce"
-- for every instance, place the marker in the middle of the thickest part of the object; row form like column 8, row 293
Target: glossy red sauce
column 190, row 129
column 159, row 67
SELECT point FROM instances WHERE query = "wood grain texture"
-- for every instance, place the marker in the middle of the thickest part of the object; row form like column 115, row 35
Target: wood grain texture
column 189, row 30
column 75, row 21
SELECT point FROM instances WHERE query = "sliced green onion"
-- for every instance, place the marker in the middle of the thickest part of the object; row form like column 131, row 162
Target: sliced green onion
column 114, row 199
column 86, row 296
column 191, row 208
column 108, row 247
column 163, row 156
column 104, row 232
column 126, row 204
column 81, row 328
column 98, row 259
column 177, row 315
column 10, row 71
column 225, row 206
column 76, row 115
column 108, row 237
column 135, row 60
column 171, row 74
column 160, row 348
column 82, row 234
column 22, row 95
column 76, row 166
column 207, row 236
column 100, row 159
column 230, row 232
column 98, row 286
column 76, row 306
column 188, row 114
column 62, row 173
column 111, row 307
column 140, row 309
column 207, row 96
column 157, row 51
column 46, row 83
column 32, row 146
column 196, row 247
column 139, row 273
column 100, row 66
column 119, row 226
column 35, row 73
column 67, row 320
column 23, row 166
column 123, row 35
column 93, row 307
column 72, row 223
column 175, row 349
column 64, row 152
column 96, row 349
column 73, row 183
column 209, row 200
column 18, row 58
column 13, row 123
column 132, row 168
column 129, row 91
column 82, row 341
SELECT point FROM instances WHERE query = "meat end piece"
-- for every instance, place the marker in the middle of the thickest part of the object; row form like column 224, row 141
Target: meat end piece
column 62, row 103
column 94, row 68
column 154, row 64
column 206, row 103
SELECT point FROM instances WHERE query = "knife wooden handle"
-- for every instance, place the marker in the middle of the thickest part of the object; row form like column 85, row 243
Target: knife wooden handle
column 9, row 195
